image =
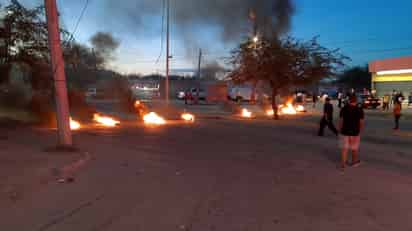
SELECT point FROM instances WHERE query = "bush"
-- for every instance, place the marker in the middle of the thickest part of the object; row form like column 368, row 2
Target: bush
column 14, row 97
column 42, row 106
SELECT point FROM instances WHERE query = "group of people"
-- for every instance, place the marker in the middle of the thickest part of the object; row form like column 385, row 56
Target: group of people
column 351, row 123
column 391, row 100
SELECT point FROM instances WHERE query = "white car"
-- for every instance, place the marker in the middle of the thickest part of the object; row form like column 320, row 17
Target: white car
column 193, row 92
column 91, row 92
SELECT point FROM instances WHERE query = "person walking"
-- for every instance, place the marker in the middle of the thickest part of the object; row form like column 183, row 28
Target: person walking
column 327, row 119
column 397, row 113
column 351, row 123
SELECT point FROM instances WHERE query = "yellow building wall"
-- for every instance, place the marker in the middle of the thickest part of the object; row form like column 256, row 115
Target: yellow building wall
column 391, row 78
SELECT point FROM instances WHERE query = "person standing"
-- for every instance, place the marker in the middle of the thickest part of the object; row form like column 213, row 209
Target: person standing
column 315, row 99
column 340, row 99
column 393, row 99
column 397, row 113
column 327, row 119
column 351, row 124
column 386, row 99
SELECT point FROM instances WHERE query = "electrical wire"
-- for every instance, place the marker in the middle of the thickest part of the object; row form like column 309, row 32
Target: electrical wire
column 162, row 34
column 79, row 19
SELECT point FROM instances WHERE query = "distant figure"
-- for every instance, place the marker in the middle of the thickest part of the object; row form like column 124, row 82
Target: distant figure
column 352, row 92
column 188, row 97
column 385, row 105
column 351, row 124
column 315, row 99
column 393, row 99
column 327, row 119
column 340, row 99
column 400, row 98
column 397, row 113
column 410, row 99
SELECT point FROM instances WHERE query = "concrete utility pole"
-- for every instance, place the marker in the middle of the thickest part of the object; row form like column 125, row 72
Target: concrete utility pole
column 199, row 64
column 167, row 51
column 199, row 75
column 62, row 102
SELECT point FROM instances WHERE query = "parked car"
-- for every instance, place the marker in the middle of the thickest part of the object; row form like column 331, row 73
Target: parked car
column 368, row 101
column 91, row 92
column 191, row 93
column 181, row 95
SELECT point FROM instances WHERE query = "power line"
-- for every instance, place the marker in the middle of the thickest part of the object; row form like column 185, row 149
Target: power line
column 71, row 38
column 79, row 19
column 162, row 34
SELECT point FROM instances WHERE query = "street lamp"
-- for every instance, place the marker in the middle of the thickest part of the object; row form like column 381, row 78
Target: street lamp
column 256, row 39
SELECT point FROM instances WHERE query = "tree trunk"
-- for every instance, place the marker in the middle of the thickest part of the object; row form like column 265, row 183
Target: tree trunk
column 253, row 96
column 274, row 104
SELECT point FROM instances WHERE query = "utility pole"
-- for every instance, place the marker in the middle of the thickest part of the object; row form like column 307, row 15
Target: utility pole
column 199, row 64
column 62, row 102
column 198, row 77
column 167, row 51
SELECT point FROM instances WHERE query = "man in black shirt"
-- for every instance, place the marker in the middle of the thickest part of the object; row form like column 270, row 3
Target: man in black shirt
column 351, row 123
column 327, row 119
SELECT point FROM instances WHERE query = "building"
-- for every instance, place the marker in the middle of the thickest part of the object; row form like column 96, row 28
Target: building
column 392, row 74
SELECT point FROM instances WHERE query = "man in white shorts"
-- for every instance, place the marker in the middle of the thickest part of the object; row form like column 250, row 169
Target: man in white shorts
column 351, row 124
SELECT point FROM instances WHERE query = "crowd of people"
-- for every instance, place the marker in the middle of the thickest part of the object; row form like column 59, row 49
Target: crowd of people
column 351, row 121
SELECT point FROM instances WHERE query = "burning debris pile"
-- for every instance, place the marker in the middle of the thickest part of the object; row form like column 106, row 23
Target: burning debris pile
column 105, row 121
column 74, row 125
column 153, row 119
column 188, row 117
column 246, row 113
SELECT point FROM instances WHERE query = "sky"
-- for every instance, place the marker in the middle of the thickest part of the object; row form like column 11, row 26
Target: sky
column 364, row 30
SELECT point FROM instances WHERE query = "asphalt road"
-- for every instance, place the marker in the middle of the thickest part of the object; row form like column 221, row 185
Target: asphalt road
column 224, row 175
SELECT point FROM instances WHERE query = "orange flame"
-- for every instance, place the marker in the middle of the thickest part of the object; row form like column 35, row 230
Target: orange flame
column 270, row 112
column 137, row 103
column 74, row 125
column 153, row 119
column 288, row 109
column 105, row 121
column 188, row 117
column 246, row 113
column 300, row 108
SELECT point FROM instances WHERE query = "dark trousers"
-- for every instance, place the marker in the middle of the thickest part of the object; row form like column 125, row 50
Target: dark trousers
column 340, row 103
column 397, row 117
column 327, row 122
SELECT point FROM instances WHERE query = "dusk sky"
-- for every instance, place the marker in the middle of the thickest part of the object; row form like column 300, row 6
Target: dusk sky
column 365, row 30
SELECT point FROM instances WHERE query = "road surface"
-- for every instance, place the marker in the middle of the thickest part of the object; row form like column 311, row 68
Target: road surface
column 220, row 174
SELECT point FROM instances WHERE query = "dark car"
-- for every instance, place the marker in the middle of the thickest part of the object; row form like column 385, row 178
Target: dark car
column 368, row 101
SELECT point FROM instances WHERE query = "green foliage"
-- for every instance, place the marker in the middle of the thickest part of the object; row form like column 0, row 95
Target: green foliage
column 24, row 34
column 283, row 62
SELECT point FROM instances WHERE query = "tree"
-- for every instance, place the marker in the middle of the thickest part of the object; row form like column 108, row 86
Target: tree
column 283, row 62
column 24, row 38
column 356, row 78
column 24, row 34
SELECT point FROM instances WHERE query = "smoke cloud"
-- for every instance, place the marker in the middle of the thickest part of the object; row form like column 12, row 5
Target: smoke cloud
column 104, row 44
column 232, row 18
